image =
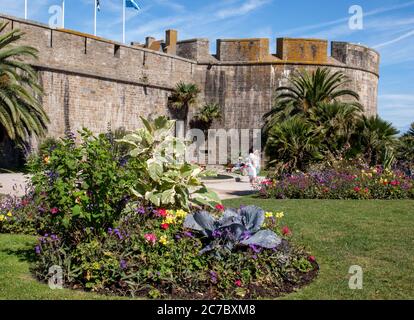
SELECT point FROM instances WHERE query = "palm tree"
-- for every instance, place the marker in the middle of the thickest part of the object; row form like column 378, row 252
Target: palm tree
column 377, row 138
column 293, row 143
column 306, row 90
column 21, row 114
column 336, row 122
column 182, row 98
column 206, row 115
column 410, row 132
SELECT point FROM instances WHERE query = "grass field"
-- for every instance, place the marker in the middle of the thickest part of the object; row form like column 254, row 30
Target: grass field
column 376, row 235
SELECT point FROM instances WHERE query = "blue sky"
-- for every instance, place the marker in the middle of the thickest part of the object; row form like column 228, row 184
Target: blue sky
column 388, row 27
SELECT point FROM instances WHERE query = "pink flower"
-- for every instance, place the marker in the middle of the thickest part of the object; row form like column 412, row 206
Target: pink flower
column 312, row 259
column 150, row 238
column 286, row 231
column 238, row 283
column 54, row 210
column 395, row 183
column 357, row 189
column 162, row 212
column 219, row 207
column 267, row 182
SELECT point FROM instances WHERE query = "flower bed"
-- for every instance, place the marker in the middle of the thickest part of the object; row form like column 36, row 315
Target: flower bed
column 151, row 253
column 373, row 183
column 143, row 224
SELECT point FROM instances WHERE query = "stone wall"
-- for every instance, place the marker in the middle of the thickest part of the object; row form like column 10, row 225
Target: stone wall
column 90, row 81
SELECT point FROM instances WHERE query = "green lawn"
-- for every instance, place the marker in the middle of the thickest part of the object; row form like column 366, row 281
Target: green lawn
column 376, row 235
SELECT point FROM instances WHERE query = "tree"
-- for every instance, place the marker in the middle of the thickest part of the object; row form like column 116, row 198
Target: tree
column 21, row 114
column 307, row 90
column 405, row 151
column 293, row 142
column 377, row 139
column 336, row 123
column 182, row 98
column 410, row 132
column 206, row 115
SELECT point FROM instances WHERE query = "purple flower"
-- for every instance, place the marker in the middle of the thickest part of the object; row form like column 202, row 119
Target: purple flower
column 213, row 276
column 123, row 264
column 217, row 234
column 37, row 249
column 188, row 234
column 255, row 248
column 246, row 235
column 140, row 210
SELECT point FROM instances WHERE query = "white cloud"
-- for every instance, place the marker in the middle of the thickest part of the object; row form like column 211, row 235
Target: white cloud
column 397, row 108
column 395, row 40
column 241, row 9
column 374, row 12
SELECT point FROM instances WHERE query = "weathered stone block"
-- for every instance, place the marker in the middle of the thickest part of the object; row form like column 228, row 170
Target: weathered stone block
column 252, row 50
column 302, row 50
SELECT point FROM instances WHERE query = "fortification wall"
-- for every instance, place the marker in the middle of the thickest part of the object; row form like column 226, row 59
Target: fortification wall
column 89, row 81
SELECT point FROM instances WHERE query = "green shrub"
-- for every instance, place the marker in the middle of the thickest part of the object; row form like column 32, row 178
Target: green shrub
column 80, row 185
column 165, row 179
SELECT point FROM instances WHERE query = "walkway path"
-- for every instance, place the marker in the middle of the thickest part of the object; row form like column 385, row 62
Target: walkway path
column 15, row 183
column 230, row 188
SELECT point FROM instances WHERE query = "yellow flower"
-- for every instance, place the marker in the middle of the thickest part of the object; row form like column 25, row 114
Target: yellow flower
column 280, row 215
column 269, row 214
column 46, row 159
column 9, row 214
column 170, row 219
column 180, row 214
column 163, row 240
column 2, row 217
column 88, row 275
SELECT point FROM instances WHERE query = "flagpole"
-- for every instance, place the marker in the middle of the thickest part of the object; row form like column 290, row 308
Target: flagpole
column 25, row 9
column 123, row 21
column 94, row 31
column 63, row 14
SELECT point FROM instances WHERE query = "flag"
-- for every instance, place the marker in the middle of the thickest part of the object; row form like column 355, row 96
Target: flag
column 98, row 5
column 132, row 4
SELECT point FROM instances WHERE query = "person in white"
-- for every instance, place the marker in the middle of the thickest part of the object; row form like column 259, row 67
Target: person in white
column 251, row 166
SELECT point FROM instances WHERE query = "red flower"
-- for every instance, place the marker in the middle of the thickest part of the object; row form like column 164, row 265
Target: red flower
column 312, row 259
column 238, row 283
column 162, row 212
column 219, row 207
column 165, row 226
column 366, row 190
column 286, row 231
column 357, row 189
column 395, row 183
column 54, row 210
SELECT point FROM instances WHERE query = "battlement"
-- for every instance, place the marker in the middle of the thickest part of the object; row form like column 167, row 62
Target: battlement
column 90, row 81
column 250, row 50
